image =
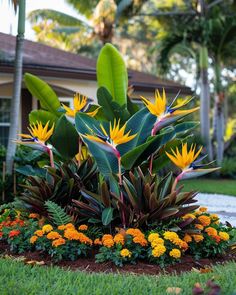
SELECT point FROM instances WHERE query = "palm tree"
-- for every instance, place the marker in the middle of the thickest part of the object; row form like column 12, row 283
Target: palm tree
column 15, row 102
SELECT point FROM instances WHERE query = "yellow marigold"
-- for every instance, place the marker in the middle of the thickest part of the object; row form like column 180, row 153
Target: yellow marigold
column 214, row 217
column 47, row 228
column 189, row 215
column 108, row 243
column 176, row 253
column 202, row 209
column 211, row 231
column 33, row 239
column 187, row 238
column 97, row 242
column 199, row 226
column 38, row 233
column 170, row 235
column 159, row 250
column 140, row 240
column 34, row 215
column 58, row 242
column 119, row 239
column 158, row 241
column 198, row 238
column 197, row 213
column 152, row 237
column 83, row 227
column 224, row 236
column 204, row 220
column 69, row 226
column 53, row 235
column 125, row 253
column 61, row 227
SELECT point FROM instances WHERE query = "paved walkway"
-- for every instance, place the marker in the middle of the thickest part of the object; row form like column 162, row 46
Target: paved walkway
column 224, row 206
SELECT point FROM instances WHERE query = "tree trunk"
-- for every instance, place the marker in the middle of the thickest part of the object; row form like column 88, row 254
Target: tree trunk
column 205, row 101
column 15, row 102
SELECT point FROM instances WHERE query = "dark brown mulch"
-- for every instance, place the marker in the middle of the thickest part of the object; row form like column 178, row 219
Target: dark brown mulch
column 89, row 264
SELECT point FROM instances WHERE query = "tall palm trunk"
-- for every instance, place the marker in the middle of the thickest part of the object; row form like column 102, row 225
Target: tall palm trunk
column 15, row 102
column 205, row 100
column 219, row 119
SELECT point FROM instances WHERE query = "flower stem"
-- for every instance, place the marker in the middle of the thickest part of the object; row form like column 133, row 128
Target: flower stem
column 51, row 158
column 121, row 193
column 80, row 151
column 177, row 179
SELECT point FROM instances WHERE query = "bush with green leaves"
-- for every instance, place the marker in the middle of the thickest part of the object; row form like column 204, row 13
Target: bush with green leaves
column 120, row 184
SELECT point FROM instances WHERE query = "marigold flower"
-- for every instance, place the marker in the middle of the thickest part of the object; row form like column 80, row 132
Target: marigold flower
column 175, row 253
column 97, row 242
column 211, row 231
column 189, row 215
column 47, row 228
column 58, row 242
column 224, row 236
column 14, row 233
column 69, row 226
column 216, row 238
column 214, row 217
column 53, row 235
column 187, row 238
column 108, row 243
column 198, row 238
column 202, row 209
column 119, row 239
column 34, row 215
column 1, row 234
column 33, row 239
column 170, row 235
column 159, row 250
column 204, row 220
column 140, row 240
column 61, row 227
column 156, row 242
column 83, row 227
column 134, row 232
column 199, row 226
column 152, row 237
column 125, row 253
column 38, row 233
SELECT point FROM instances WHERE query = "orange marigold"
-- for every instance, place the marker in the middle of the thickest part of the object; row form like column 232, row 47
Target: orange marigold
column 198, row 238
column 216, row 238
column 14, row 233
column 187, row 238
column 53, row 235
column 134, row 232
column 34, row 215
column 61, row 227
column 33, row 239
column 97, row 242
column 214, row 217
column 58, row 242
column 108, row 243
column 83, row 227
column 1, row 234
column 189, row 215
column 199, row 226
column 211, row 231
column 38, row 233
column 202, row 209
column 105, row 237
column 140, row 240
column 204, row 220
column 119, row 239
column 224, row 236
column 69, row 226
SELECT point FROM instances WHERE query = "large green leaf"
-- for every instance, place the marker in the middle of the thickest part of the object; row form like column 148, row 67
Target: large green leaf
column 65, row 138
column 185, row 127
column 85, row 124
column 107, row 215
column 198, row 172
column 112, row 73
column 42, row 116
column 43, row 92
column 141, row 153
column 111, row 109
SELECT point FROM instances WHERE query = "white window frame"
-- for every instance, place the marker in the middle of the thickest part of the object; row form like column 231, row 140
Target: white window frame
column 5, row 124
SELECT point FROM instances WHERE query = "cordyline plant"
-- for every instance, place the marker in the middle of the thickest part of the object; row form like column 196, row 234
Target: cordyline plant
column 129, row 147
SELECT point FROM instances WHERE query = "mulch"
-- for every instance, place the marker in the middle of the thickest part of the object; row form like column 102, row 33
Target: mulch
column 187, row 263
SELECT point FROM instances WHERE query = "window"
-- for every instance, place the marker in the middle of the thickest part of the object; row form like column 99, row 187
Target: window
column 67, row 101
column 5, row 109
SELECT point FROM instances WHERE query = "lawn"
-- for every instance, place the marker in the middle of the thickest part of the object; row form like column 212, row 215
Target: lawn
column 215, row 186
column 17, row 278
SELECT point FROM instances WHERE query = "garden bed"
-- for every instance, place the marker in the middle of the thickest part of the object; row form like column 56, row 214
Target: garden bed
column 187, row 263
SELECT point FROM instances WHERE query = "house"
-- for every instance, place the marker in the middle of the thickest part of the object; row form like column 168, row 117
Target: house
column 67, row 73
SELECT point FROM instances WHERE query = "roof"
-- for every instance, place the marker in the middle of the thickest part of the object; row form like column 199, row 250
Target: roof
column 44, row 60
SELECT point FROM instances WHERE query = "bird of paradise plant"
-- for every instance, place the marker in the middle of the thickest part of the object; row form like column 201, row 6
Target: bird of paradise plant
column 187, row 161
column 38, row 137
column 110, row 140
column 80, row 105
column 166, row 114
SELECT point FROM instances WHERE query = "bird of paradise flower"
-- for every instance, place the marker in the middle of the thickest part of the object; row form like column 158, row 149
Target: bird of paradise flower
column 187, row 161
column 38, row 137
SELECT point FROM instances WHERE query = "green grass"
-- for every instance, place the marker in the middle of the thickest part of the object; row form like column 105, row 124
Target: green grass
column 19, row 279
column 215, row 186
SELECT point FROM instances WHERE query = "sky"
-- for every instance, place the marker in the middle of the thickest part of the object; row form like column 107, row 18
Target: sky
column 8, row 19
